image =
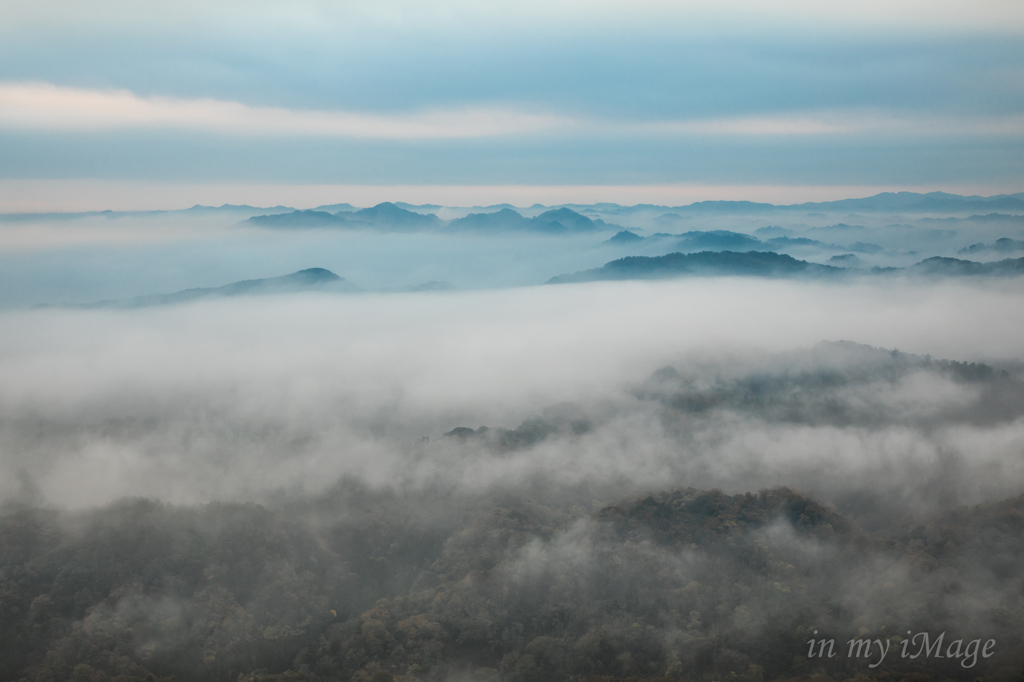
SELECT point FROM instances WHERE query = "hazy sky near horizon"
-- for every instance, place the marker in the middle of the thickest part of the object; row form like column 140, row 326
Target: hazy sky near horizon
column 732, row 93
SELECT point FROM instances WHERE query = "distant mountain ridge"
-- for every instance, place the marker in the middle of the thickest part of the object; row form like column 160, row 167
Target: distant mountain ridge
column 390, row 216
column 555, row 221
column 773, row 265
column 1002, row 245
column 568, row 219
column 384, row 215
column 726, row 240
column 759, row 263
column 953, row 267
column 310, row 279
column 909, row 202
column 923, row 203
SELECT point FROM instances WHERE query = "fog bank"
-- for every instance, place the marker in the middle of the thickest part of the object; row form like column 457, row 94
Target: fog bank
column 241, row 399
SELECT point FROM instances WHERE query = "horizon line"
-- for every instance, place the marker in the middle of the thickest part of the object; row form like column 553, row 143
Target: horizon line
column 95, row 195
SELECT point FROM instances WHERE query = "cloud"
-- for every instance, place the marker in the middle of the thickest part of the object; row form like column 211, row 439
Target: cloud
column 321, row 15
column 42, row 106
column 840, row 122
column 47, row 107
column 236, row 399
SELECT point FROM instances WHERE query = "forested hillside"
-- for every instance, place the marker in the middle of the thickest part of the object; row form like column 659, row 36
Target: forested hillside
column 362, row 585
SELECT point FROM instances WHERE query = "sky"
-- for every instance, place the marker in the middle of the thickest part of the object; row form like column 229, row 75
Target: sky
column 707, row 99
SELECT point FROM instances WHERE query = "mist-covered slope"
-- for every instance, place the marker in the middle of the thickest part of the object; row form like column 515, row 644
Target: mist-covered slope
column 394, row 246
column 705, row 263
column 310, row 279
column 654, row 478
column 673, row 585
column 391, row 217
column 385, row 216
column 471, row 559
column 555, row 221
column 771, row 264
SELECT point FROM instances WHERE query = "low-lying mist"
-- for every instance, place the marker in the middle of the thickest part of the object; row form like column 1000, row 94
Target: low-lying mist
column 236, row 399
column 64, row 258
column 682, row 479
column 97, row 258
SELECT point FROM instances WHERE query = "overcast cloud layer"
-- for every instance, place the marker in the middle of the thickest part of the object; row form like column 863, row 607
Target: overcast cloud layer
column 544, row 93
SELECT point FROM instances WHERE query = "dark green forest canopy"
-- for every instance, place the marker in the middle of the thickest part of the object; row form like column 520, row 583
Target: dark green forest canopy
column 365, row 584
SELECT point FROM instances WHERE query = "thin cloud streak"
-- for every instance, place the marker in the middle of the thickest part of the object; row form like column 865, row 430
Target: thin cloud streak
column 47, row 107
column 42, row 106
column 842, row 122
